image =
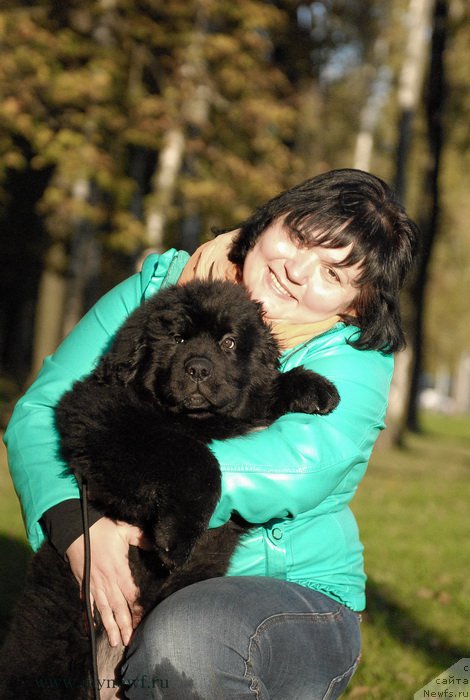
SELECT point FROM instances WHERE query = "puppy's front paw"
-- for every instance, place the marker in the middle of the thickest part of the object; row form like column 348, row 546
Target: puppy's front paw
column 308, row 392
column 324, row 396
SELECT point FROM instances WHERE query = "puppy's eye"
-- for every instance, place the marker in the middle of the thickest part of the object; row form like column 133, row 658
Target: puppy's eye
column 228, row 343
column 178, row 338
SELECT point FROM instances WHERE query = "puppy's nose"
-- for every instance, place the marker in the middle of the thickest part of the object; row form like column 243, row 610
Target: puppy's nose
column 198, row 368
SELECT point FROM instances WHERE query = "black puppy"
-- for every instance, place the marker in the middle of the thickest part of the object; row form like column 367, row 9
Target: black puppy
column 193, row 364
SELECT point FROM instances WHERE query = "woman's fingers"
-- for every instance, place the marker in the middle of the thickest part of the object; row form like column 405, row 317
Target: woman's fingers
column 109, row 620
column 111, row 584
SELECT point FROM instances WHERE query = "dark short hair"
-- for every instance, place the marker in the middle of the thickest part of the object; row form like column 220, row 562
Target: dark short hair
column 338, row 208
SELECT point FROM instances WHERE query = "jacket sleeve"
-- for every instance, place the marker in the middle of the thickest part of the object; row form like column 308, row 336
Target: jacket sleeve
column 300, row 461
column 40, row 477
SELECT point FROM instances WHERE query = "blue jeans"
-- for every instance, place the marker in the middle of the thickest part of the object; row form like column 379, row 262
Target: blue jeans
column 241, row 637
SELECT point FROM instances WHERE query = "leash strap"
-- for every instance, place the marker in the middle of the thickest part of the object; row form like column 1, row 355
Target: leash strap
column 87, row 592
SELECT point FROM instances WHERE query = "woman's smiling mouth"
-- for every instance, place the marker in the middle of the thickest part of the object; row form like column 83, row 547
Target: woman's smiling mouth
column 278, row 287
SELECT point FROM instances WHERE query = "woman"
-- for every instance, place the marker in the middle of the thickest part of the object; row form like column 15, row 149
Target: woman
column 327, row 259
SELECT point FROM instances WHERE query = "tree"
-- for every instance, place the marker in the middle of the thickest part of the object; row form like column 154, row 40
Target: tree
column 408, row 99
column 431, row 199
column 118, row 102
column 410, row 85
column 156, row 121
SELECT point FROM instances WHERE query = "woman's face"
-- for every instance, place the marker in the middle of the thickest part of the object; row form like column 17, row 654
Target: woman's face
column 298, row 284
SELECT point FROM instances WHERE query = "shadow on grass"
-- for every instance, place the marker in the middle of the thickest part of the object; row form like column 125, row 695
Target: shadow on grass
column 14, row 557
column 383, row 611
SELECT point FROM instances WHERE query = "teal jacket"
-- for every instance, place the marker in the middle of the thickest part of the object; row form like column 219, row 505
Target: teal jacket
column 296, row 477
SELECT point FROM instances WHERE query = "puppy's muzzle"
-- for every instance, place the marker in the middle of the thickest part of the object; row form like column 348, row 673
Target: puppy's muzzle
column 198, row 368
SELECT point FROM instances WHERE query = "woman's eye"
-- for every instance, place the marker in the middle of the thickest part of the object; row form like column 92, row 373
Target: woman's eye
column 178, row 338
column 331, row 274
column 227, row 343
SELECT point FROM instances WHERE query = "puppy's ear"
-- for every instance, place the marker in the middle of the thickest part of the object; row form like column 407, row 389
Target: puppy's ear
column 122, row 362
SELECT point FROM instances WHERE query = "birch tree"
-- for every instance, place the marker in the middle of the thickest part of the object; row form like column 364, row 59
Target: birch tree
column 419, row 23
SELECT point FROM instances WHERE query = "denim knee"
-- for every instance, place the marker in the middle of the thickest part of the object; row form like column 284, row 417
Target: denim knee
column 179, row 648
column 243, row 637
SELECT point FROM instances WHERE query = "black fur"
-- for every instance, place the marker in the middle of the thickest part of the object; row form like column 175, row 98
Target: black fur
column 193, row 364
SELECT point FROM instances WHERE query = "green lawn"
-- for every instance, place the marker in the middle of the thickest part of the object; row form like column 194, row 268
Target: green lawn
column 412, row 509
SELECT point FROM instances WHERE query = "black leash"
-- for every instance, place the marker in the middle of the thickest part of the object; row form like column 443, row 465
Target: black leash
column 87, row 593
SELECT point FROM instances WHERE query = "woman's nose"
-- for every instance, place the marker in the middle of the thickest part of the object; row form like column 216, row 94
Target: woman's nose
column 300, row 267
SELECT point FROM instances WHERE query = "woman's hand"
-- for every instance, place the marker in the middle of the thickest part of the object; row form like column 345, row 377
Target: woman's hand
column 112, row 587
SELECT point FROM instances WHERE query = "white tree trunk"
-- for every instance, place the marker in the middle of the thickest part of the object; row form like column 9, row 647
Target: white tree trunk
column 397, row 400
column 419, row 24
column 419, row 21
column 163, row 187
column 193, row 109
column 461, row 391
column 378, row 76
column 50, row 307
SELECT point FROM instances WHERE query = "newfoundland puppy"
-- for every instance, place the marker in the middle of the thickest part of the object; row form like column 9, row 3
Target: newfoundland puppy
column 194, row 363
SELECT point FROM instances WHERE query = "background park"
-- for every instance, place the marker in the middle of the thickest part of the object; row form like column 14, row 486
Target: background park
column 136, row 125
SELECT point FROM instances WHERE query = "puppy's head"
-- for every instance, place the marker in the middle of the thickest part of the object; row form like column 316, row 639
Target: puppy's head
column 200, row 349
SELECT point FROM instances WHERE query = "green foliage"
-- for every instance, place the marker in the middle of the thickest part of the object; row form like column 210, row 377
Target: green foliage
column 89, row 85
column 264, row 94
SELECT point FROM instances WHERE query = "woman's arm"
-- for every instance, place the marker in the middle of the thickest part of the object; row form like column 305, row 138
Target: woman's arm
column 295, row 464
column 40, row 477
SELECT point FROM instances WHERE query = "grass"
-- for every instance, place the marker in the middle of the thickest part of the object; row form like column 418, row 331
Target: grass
column 412, row 509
